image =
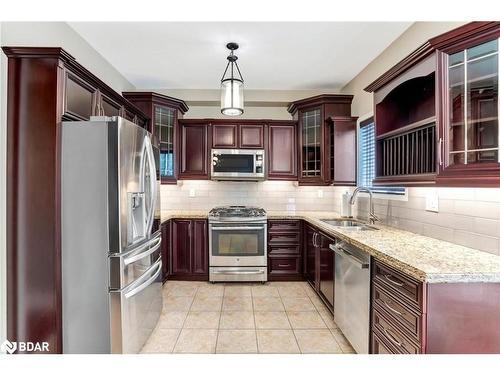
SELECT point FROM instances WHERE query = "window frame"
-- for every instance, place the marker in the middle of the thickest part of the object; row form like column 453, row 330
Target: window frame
column 366, row 120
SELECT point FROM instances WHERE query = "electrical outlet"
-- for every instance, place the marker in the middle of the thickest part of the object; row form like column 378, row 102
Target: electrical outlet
column 192, row 193
column 432, row 202
column 320, row 193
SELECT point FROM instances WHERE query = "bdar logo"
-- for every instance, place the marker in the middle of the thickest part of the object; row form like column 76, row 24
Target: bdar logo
column 8, row 347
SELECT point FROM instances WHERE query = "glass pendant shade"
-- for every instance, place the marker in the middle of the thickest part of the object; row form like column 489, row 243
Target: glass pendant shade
column 231, row 97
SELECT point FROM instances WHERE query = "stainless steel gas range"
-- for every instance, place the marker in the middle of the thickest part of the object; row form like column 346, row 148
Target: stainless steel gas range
column 238, row 244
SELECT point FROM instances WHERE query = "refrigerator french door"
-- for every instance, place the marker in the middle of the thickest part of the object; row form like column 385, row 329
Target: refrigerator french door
column 111, row 256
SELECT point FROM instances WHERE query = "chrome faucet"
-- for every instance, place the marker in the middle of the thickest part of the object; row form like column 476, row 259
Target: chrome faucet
column 372, row 218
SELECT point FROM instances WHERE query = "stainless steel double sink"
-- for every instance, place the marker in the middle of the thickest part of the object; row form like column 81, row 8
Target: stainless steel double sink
column 349, row 224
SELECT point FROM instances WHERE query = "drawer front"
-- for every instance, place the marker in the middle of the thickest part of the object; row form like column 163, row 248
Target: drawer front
column 284, row 250
column 284, row 265
column 379, row 346
column 397, row 310
column 283, row 238
column 410, row 288
column 283, row 225
column 393, row 335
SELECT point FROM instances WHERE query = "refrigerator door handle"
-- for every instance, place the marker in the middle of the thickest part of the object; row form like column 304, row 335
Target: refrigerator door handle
column 142, row 283
column 152, row 174
column 136, row 255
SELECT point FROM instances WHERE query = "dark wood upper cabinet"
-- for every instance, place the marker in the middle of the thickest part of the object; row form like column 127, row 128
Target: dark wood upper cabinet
column 251, row 136
column 224, row 136
column 194, row 148
column 436, row 112
column 80, row 98
column 164, row 112
column 343, row 150
column 282, row 154
column 315, row 137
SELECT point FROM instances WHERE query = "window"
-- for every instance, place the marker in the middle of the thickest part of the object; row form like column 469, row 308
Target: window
column 366, row 158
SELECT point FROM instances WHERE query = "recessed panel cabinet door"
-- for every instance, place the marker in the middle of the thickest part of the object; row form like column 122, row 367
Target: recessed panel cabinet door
column 200, row 247
column 326, row 269
column 224, row 136
column 282, row 152
column 181, row 246
column 251, row 136
column 165, row 249
column 80, row 98
column 310, row 254
column 194, row 151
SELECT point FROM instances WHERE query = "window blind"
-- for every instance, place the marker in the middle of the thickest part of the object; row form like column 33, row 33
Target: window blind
column 366, row 157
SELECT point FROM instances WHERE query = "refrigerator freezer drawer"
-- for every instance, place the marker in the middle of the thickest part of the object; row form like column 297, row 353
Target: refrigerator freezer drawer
column 135, row 310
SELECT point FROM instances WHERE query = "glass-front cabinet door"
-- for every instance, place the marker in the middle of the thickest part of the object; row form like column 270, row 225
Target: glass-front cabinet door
column 311, row 137
column 164, row 129
column 471, row 134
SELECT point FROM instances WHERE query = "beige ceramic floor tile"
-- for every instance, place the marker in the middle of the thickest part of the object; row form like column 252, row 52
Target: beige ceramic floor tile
column 172, row 319
column 342, row 341
column 292, row 291
column 232, row 290
column 267, row 304
column 236, row 341
column 196, row 341
column 328, row 318
column 172, row 303
column 237, row 320
column 206, row 304
column 306, row 320
column 210, row 290
column 276, row 341
column 264, row 291
column 182, row 291
column 317, row 302
column 202, row 320
column 271, row 320
column 298, row 304
column 237, row 304
column 161, row 341
column 317, row 341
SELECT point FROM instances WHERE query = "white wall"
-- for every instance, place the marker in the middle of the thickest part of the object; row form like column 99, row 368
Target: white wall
column 42, row 34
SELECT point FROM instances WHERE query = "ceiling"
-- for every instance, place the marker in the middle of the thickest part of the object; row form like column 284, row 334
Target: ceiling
column 273, row 55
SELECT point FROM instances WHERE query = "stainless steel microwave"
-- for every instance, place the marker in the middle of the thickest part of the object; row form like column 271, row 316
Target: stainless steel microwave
column 237, row 164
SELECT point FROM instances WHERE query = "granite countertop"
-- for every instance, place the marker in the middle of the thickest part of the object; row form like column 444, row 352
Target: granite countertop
column 424, row 258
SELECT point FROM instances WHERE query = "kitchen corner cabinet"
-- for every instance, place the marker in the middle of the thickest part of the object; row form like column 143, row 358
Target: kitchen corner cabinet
column 194, row 148
column 436, row 112
column 188, row 249
column 316, row 138
column 164, row 113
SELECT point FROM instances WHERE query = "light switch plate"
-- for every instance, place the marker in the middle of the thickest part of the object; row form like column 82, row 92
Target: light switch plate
column 192, row 193
column 320, row 193
column 432, row 202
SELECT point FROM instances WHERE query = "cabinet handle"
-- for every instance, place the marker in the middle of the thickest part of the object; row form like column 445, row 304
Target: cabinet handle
column 392, row 338
column 393, row 309
column 284, row 265
column 390, row 279
column 440, row 150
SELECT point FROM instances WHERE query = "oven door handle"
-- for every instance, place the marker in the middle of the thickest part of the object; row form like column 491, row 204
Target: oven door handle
column 238, row 228
column 256, row 272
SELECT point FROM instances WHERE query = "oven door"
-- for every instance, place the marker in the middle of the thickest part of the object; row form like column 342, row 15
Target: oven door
column 238, row 244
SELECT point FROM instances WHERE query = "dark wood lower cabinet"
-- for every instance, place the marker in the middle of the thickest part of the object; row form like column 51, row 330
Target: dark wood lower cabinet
column 310, row 255
column 284, row 260
column 327, row 270
column 188, row 249
column 165, row 249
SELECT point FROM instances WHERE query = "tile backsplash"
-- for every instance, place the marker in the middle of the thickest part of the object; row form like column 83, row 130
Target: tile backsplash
column 466, row 216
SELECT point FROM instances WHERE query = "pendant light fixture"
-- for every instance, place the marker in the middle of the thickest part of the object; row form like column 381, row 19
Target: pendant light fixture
column 231, row 100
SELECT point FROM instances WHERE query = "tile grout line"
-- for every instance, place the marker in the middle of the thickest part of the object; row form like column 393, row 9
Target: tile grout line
column 184, row 322
column 290, row 323
column 254, row 321
column 220, row 317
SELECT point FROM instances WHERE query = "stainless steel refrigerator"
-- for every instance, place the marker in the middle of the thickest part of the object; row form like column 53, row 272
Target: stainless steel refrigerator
column 110, row 216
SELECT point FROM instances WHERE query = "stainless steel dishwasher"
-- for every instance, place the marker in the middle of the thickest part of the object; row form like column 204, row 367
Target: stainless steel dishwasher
column 352, row 294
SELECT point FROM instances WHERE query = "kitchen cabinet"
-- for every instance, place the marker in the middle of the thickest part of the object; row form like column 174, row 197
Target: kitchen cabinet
column 194, row 150
column 326, row 269
column 282, row 155
column 284, row 250
column 165, row 248
column 237, row 134
column 413, row 317
column 189, row 249
column 316, row 138
column 436, row 112
column 164, row 112
column 45, row 86
column 310, row 249
column 343, row 147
